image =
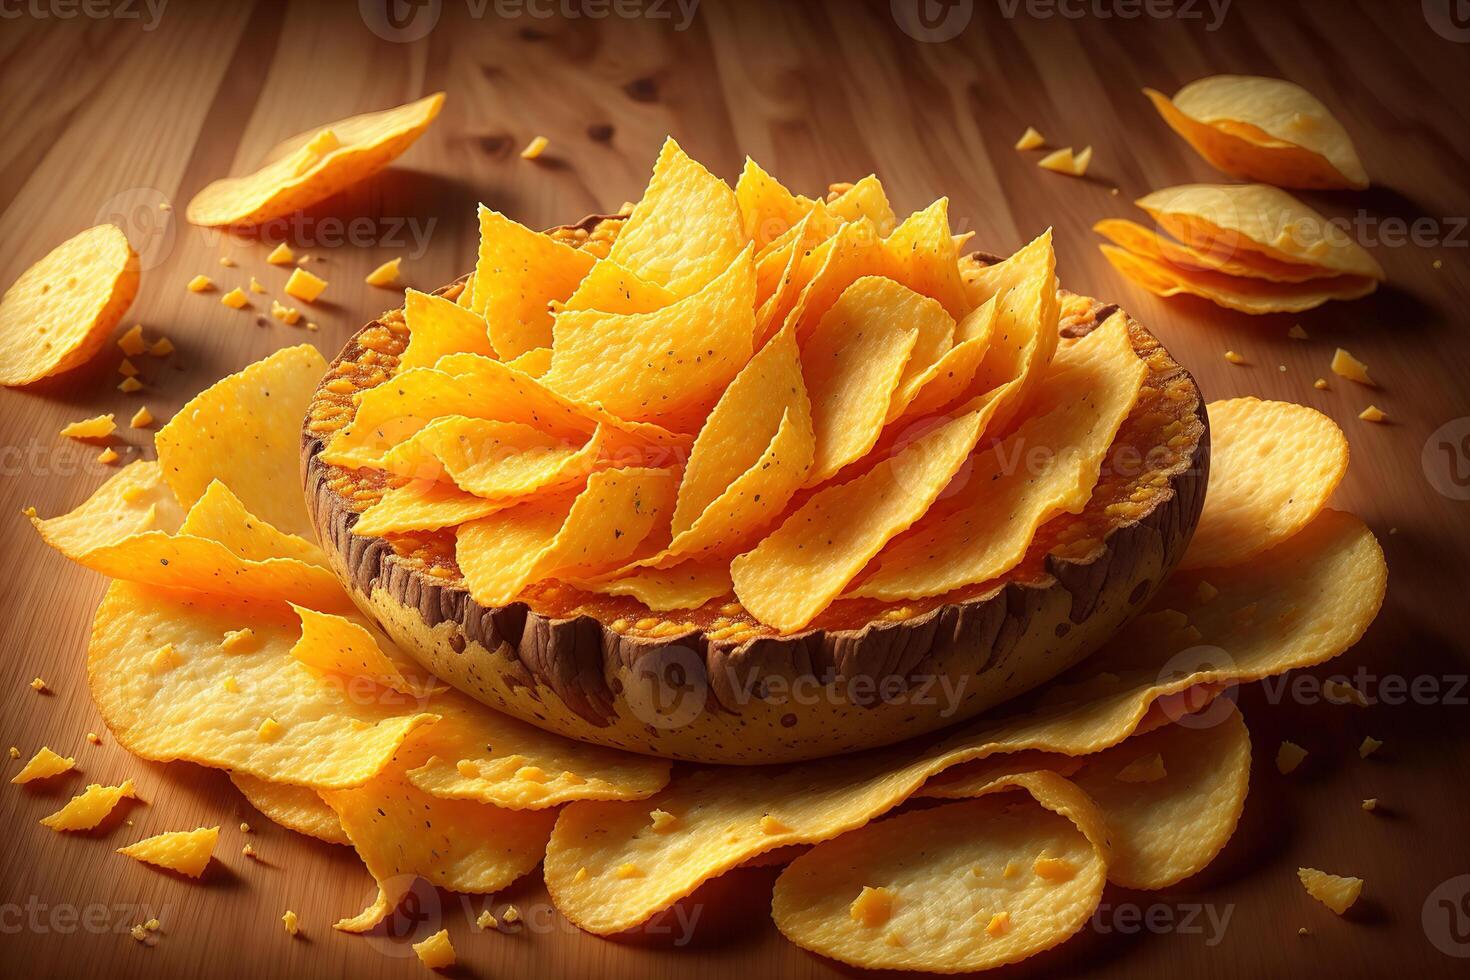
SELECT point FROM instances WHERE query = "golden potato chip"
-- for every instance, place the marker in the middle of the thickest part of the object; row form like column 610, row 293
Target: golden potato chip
column 437, row 952
column 245, row 431
column 1310, row 598
column 62, row 309
column 853, row 362
column 132, row 501
column 220, row 516
column 99, row 427
column 796, row 571
column 518, row 273
column 865, row 199
column 1048, row 466
column 669, row 365
column 597, row 530
column 1273, row 467
column 953, row 373
column 476, row 753
column 823, row 273
column 1293, row 139
column 89, row 808
column 402, row 833
column 437, row 326
column 298, row 808
column 424, row 505
column 1334, row 891
column 610, row 288
column 534, row 362
column 1258, row 218
column 687, row 585
column 685, row 231
column 185, row 851
column 1251, row 265
column 951, row 906
column 496, row 460
column 43, row 765
column 924, row 258
column 335, row 644
column 314, row 165
column 767, row 209
column 327, row 735
column 1255, row 296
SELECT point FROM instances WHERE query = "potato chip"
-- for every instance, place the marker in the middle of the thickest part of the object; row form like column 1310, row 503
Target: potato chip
column 62, row 309
column 853, row 361
column 1310, row 598
column 534, row 362
column 686, row 230
column 660, row 366
column 43, row 765
column 1251, row 265
column 599, row 529
column 1274, row 466
column 314, row 165
column 924, row 258
column 767, row 209
column 89, row 808
column 330, row 735
column 220, row 516
column 1264, row 129
column 865, row 199
column 796, row 571
column 610, row 288
column 476, row 753
column 132, row 501
column 496, row 460
column 423, row 505
column 1223, row 218
column 335, row 644
column 823, row 273
column 437, row 326
column 687, row 585
column 185, row 851
column 1255, row 296
column 297, row 808
column 245, row 431
column 386, row 275
column 99, row 427
column 1048, row 466
column 518, row 273
column 944, row 870
column 402, row 833
column 953, row 373
column 1334, row 891
column 437, row 952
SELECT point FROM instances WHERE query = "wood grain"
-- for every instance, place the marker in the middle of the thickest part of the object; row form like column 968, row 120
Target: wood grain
column 101, row 114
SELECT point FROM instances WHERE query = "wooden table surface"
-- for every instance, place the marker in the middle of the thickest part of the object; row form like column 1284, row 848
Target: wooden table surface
column 107, row 116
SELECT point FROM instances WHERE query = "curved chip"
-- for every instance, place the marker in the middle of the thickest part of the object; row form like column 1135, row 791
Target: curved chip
column 767, row 209
column 221, row 516
column 62, row 309
column 610, row 288
column 947, row 378
column 185, row 851
column 438, row 326
column 1150, row 244
column 1255, row 296
column 687, row 585
column 314, row 165
column 133, row 500
column 89, row 808
column 336, row 644
column 424, row 505
column 922, row 255
column 298, row 808
column 519, row 272
column 99, row 427
column 43, row 765
column 245, row 431
column 1273, row 467
column 966, row 886
column 496, row 460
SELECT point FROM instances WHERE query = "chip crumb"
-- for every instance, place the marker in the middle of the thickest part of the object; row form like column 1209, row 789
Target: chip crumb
column 535, row 148
column 487, row 920
column 1347, row 366
column 94, row 738
column 436, row 952
column 138, row 932
column 1059, row 162
column 1145, row 769
column 38, row 685
column 1334, row 891
column 305, row 286
column 1204, row 592
column 14, row 752
column 244, row 827
column 1341, row 692
column 663, row 821
column 235, row 299
column 226, row 261
column 1081, row 161
column 165, row 206
column 999, row 924
column 200, row 284
column 1297, row 332
column 1281, row 368
column 872, row 907
column 629, row 870
column 162, row 347
column 1288, row 757
column 292, row 922
column 511, row 914
column 1368, row 746
column 1370, row 804
column 1437, row 264
column 142, row 418
column 1030, row 139
column 248, row 850
column 152, row 925
column 286, row 314
column 1233, row 357
column 132, row 343
column 238, row 640
column 772, row 825
column 130, row 385
column 99, row 427
column 385, row 275
column 1373, row 414
column 43, row 765
column 1053, row 869
column 1302, row 931
column 281, row 255
column 127, row 368
column 269, row 730
column 1320, row 384
column 311, row 326
column 255, row 285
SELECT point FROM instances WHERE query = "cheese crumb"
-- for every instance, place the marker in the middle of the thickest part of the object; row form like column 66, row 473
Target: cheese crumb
column 248, row 850
column 286, row 314
column 130, row 385
column 292, row 922
column 1030, row 139
column 629, row 870
column 127, row 368
column 772, row 825
column 138, row 932
column 142, row 418
column 269, row 730
column 1080, row 162
column 14, row 752
column 244, row 827
column 581, row 874
column 1373, row 414
column 1288, row 757
column 200, row 284
column 1233, row 357
column 231, row 685
column 1320, row 384
column 255, row 286
column 999, row 925
column 1348, row 366
column 237, row 640
column 385, row 275
column 1053, row 869
column 535, row 148
column 1369, row 746
column 1059, row 161
column 162, row 347
column 94, row 738
column 281, row 255
column 872, row 907
column 235, row 299
column 1011, row 870
column 305, row 286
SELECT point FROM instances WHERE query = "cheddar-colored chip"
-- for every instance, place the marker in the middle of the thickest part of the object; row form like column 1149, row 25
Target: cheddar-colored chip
column 437, row 952
column 496, row 460
column 1289, row 756
column 1255, row 296
column 131, row 342
column 336, row 644
column 599, row 529
column 245, row 431
column 952, row 374
column 43, row 765
column 424, row 505
column 62, row 309
column 1047, row 467
column 686, row 230
column 1273, row 467
column 1264, row 129
column 796, row 571
column 131, row 502
column 767, row 209
column 924, row 258
column 88, row 809
column 687, row 585
column 174, row 709
column 668, row 366
column 1334, row 891
column 221, row 516
column 823, row 272
column 1242, row 262
column 610, row 288
column 99, row 427
column 1345, row 365
column 1255, row 217
column 185, row 851
column 950, row 908
column 476, row 753
column 518, row 273
column 535, row 362
column 1312, row 597
column 1030, row 139
column 385, row 276
column 298, row 808
column 314, row 165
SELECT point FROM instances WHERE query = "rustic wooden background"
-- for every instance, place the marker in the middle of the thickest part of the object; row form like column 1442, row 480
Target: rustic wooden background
column 106, row 116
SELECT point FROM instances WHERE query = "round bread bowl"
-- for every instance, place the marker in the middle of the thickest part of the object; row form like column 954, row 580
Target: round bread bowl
column 713, row 686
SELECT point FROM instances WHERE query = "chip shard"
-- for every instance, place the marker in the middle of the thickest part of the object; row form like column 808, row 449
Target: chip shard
column 185, row 851
column 1336, row 892
column 43, row 765
column 292, row 923
column 1288, row 757
column 436, row 952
